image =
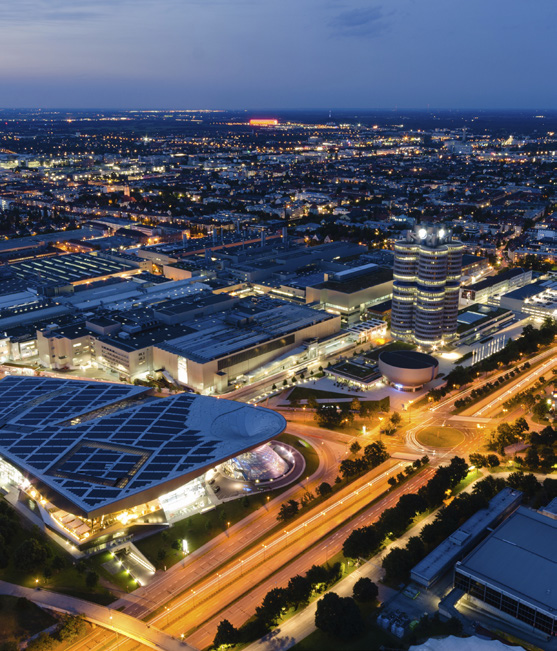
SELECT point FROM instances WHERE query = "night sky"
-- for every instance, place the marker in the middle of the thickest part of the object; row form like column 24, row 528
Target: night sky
column 278, row 54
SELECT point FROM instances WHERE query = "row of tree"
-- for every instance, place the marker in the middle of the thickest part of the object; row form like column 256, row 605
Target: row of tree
column 399, row 561
column 528, row 343
column 365, row 541
column 276, row 602
column 70, row 628
column 374, row 455
column 508, row 434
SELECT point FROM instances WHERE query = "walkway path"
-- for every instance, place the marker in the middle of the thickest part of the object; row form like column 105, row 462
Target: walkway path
column 101, row 615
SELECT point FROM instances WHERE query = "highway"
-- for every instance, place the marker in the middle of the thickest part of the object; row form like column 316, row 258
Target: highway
column 239, row 566
column 244, row 606
column 202, row 600
column 231, row 542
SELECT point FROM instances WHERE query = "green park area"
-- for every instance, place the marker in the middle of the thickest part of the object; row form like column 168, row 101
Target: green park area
column 20, row 619
column 440, row 437
column 30, row 558
column 163, row 548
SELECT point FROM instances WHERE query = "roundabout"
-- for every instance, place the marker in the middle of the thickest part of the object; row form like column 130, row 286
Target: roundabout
column 439, row 437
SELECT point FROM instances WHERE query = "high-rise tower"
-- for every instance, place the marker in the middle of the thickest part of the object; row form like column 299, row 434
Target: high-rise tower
column 427, row 270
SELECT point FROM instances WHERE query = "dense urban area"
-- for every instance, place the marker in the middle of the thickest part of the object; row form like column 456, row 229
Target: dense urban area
column 277, row 380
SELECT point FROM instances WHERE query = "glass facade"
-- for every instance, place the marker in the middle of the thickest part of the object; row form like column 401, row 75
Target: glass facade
column 506, row 603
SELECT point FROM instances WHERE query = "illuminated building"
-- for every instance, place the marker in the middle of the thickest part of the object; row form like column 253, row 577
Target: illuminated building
column 98, row 460
column 263, row 122
column 427, row 272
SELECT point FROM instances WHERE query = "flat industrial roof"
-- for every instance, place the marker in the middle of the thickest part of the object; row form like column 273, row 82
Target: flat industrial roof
column 258, row 321
column 91, row 447
column 490, row 281
column 68, row 268
column 451, row 549
column 520, row 558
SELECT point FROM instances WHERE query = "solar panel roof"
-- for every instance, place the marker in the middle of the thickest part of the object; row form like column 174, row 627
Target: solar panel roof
column 61, row 433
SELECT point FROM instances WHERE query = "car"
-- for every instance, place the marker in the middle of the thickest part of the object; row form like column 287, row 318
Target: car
column 216, row 489
column 211, row 482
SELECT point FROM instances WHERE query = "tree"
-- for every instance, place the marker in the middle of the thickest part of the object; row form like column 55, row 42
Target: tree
column 395, row 419
column 298, row 591
column 58, row 563
column 355, row 447
column 365, row 590
column 226, row 635
column 324, row 489
column 338, row 616
column 288, row 510
column 91, row 579
column 362, row 542
column 492, row 460
column 312, row 402
column 328, row 416
column 317, row 575
column 271, row 607
column 375, row 453
column 31, row 555
column 72, row 626
column 478, row 460
column 356, row 405
column 531, row 459
column 44, row 642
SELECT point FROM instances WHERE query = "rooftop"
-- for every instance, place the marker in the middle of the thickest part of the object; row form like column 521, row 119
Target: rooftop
column 451, row 549
column 520, row 558
column 145, row 444
column 358, row 283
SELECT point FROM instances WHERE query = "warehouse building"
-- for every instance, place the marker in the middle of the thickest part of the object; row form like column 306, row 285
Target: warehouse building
column 493, row 287
column 351, row 292
column 222, row 350
column 513, row 572
column 445, row 555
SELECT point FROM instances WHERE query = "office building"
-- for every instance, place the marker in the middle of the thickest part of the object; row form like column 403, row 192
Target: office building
column 427, row 271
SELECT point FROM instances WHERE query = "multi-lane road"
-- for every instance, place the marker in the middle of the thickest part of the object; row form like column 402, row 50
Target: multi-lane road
column 229, row 576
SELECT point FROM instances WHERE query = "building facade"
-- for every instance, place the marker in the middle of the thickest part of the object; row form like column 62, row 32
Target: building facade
column 427, row 272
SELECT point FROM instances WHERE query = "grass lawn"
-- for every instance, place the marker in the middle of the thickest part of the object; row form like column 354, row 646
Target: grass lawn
column 121, row 579
column 303, row 393
column 202, row 527
column 18, row 624
column 440, row 437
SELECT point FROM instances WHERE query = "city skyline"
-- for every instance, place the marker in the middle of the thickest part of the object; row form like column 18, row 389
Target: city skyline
column 261, row 55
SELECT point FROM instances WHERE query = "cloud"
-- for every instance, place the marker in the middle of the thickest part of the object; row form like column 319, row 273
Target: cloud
column 363, row 22
column 37, row 11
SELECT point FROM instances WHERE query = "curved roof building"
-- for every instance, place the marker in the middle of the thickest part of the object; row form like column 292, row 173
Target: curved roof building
column 93, row 451
column 408, row 369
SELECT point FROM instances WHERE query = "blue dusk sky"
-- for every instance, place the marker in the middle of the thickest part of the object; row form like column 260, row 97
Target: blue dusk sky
column 278, row 54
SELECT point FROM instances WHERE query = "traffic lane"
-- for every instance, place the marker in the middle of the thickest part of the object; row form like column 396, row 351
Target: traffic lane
column 244, row 607
column 349, row 500
column 227, row 544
